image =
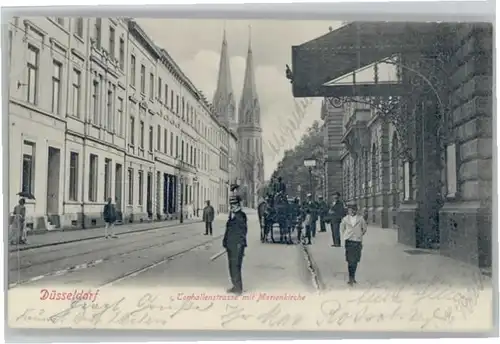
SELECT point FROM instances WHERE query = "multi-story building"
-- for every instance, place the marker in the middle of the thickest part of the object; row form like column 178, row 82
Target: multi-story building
column 97, row 111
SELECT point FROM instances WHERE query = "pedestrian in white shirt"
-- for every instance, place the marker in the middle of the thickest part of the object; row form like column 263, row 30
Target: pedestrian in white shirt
column 353, row 228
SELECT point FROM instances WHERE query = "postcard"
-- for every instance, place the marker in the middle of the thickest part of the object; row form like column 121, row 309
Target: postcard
column 194, row 174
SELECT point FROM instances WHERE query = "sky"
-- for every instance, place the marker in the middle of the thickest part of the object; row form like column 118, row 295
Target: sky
column 195, row 45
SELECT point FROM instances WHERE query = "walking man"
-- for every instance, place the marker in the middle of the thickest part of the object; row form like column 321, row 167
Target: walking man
column 208, row 218
column 235, row 242
column 109, row 215
column 335, row 215
column 17, row 233
column 353, row 228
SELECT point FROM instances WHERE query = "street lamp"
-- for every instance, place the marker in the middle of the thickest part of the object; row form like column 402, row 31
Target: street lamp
column 310, row 163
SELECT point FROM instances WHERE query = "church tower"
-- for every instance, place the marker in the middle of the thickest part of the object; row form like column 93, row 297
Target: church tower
column 223, row 102
column 250, row 136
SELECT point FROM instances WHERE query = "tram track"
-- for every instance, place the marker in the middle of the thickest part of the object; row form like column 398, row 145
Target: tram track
column 104, row 248
column 160, row 261
column 93, row 263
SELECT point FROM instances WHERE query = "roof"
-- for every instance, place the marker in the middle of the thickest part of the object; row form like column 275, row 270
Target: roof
column 352, row 46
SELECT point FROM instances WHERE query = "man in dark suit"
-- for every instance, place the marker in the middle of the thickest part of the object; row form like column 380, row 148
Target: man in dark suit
column 235, row 242
column 322, row 212
column 335, row 214
column 208, row 218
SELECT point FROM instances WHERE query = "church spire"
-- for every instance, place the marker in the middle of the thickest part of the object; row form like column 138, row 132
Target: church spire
column 223, row 101
column 249, row 109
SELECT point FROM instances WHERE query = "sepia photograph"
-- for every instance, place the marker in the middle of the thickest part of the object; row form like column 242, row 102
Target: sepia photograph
column 209, row 174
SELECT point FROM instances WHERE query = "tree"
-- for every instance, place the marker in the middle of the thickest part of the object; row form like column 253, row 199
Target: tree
column 291, row 168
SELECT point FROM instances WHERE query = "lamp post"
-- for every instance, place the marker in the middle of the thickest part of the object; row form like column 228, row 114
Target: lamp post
column 310, row 163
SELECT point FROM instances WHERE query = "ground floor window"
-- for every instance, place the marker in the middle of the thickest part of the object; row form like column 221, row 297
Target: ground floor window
column 28, row 176
column 141, row 187
column 93, row 175
column 130, row 180
column 73, row 176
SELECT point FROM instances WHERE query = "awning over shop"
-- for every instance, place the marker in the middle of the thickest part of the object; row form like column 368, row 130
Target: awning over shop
column 355, row 45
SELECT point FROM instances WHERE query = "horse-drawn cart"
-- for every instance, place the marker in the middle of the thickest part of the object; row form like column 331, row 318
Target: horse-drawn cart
column 278, row 212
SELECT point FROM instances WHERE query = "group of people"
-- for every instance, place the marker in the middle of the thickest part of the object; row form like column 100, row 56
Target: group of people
column 343, row 219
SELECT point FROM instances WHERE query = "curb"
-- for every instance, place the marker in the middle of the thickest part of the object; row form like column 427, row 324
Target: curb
column 17, row 249
column 314, row 269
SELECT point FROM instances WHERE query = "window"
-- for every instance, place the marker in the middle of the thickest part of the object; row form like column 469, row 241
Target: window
column 77, row 97
column 166, row 94
column 172, row 100
column 183, row 109
column 159, row 89
column 98, row 34
column 194, row 156
column 182, row 151
column 176, row 146
column 158, row 139
column 112, row 42
column 28, row 182
column 32, row 74
column 191, row 155
column 110, row 110
column 95, row 102
column 120, row 117
column 143, row 79
column 451, row 170
column 407, row 180
column 171, row 144
column 60, row 21
column 141, row 187
column 150, row 138
column 132, row 70
column 165, row 140
column 93, row 174
column 73, row 176
column 130, row 180
column 79, row 27
column 151, row 86
column 177, row 104
column 132, row 130
column 122, row 54
column 141, row 133
column 107, row 179
column 56, row 87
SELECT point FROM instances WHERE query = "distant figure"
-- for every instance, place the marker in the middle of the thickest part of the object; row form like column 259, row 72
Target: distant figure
column 109, row 215
column 335, row 215
column 17, row 233
column 309, row 209
column 280, row 187
column 322, row 212
column 235, row 242
column 208, row 218
column 353, row 228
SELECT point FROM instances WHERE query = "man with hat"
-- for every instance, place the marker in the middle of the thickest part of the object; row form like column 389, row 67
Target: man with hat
column 235, row 241
column 353, row 228
column 309, row 209
column 335, row 215
column 322, row 212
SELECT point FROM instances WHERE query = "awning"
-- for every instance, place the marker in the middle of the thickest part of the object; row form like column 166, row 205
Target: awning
column 355, row 45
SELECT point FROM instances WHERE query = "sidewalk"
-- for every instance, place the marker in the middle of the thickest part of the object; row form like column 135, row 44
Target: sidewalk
column 51, row 238
column 386, row 261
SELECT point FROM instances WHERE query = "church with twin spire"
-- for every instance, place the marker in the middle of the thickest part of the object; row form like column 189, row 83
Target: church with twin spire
column 244, row 122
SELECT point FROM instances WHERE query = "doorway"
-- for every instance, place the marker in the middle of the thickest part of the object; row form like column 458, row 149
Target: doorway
column 118, row 189
column 149, row 195
column 53, row 167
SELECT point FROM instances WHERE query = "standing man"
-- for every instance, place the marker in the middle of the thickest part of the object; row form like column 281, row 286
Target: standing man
column 335, row 215
column 208, row 218
column 109, row 215
column 235, row 242
column 308, row 209
column 322, row 212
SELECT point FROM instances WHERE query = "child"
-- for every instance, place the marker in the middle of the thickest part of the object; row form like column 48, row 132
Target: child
column 352, row 228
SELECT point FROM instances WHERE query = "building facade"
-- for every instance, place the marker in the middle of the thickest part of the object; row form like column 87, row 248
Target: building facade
column 427, row 170
column 97, row 111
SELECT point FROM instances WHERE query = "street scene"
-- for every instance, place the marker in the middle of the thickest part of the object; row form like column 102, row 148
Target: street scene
column 349, row 162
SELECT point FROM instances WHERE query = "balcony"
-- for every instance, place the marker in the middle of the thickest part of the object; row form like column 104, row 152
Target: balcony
column 357, row 136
